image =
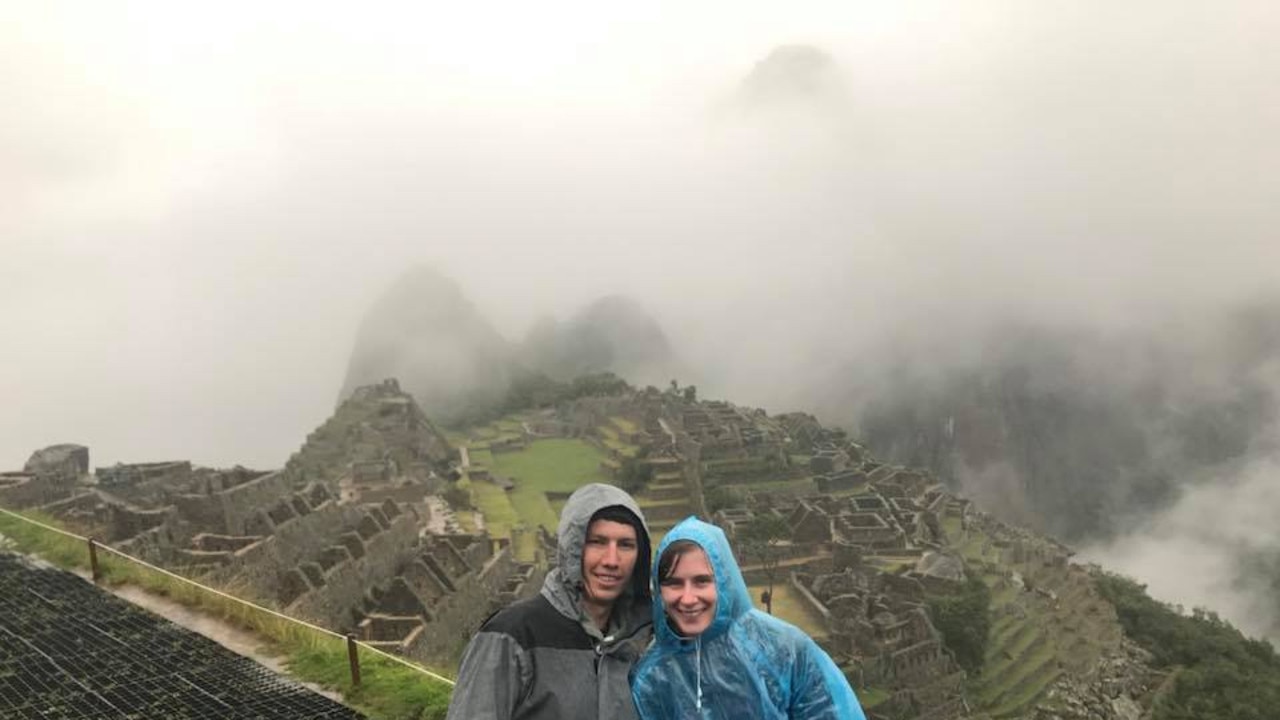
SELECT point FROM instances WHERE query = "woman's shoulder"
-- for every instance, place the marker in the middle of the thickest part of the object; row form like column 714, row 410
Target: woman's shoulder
column 767, row 628
column 766, row 638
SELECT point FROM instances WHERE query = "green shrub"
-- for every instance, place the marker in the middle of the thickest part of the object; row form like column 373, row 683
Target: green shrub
column 964, row 619
column 1220, row 672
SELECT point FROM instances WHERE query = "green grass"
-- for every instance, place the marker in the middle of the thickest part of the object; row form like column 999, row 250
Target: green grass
column 504, row 428
column 1017, row 705
column 952, row 525
column 1001, row 631
column 788, row 606
column 58, row 549
column 555, row 465
column 804, row 486
column 524, row 545
column 510, row 424
column 870, row 697
column 481, row 456
column 647, row 503
column 1037, row 668
column 499, row 515
column 1004, row 596
column 623, row 424
column 972, row 548
column 1032, row 640
column 389, row 690
column 622, row 448
column 466, row 519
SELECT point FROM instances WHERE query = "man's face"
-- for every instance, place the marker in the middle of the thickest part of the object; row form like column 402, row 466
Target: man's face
column 608, row 558
column 689, row 593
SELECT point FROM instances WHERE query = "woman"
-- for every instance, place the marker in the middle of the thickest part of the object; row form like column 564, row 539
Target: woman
column 714, row 656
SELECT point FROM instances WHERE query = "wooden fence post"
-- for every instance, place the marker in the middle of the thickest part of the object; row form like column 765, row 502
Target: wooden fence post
column 354, row 657
column 93, row 562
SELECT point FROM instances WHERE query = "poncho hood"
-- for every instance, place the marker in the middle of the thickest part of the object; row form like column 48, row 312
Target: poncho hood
column 733, row 600
column 563, row 585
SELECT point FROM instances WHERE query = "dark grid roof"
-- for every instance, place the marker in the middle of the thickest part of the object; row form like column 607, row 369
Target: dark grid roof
column 70, row 650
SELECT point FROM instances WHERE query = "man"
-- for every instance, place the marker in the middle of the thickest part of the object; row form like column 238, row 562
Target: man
column 564, row 654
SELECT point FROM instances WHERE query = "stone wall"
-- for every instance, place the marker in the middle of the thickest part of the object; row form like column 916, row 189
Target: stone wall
column 66, row 460
column 22, row 490
column 414, row 492
column 176, row 471
column 40, row 483
column 458, row 614
column 126, row 522
column 807, row 599
column 85, row 503
column 376, row 424
column 586, row 413
column 261, row 564
column 240, row 503
column 154, row 545
column 331, row 602
column 817, row 566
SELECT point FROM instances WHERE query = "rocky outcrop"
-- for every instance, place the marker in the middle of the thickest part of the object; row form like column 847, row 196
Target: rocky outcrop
column 1114, row 690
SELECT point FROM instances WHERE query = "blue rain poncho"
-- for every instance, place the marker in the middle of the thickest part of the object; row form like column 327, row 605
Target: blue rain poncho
column 747, row 664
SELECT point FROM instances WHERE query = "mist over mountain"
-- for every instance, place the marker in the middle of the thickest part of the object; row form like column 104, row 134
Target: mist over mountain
column 793, row 75
column 425, row 332
column 614, row 333
column 1149, row 445
column 1075, row 428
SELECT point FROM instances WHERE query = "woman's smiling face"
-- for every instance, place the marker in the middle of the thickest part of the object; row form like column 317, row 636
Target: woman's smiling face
column 689, row 593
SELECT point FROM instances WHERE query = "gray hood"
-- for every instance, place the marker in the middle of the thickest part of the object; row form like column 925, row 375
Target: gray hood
column 563, row 585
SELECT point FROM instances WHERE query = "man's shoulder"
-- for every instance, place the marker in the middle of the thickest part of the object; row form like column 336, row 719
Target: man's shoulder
column 534, row 623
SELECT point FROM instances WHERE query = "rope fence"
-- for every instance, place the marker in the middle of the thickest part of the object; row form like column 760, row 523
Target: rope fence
column 352, row 643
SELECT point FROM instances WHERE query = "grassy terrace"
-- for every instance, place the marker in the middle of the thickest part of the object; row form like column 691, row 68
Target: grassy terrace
column 802, row 486
column 855, row 490
column 551, row 465
column 1032, row 637
column 870, row 697
column 621, row 448
column 611, row 437
column 623, row 424
column 501, row 429
column 788, row 605
column 499, row 515
column 481, row 455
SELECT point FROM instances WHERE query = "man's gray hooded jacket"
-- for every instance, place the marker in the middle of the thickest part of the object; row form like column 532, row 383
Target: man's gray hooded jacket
column 542, row 657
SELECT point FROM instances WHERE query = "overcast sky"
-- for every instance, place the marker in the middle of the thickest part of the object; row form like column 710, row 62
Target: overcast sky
column 199, row 201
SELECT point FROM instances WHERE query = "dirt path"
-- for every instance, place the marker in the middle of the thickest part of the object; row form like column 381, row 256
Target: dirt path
column 233, row 638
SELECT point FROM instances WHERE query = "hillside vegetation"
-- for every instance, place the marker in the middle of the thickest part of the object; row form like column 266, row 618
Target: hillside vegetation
column 1217, row 671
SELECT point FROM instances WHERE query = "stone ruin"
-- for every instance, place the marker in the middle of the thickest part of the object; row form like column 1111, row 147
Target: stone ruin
column 880, row 633
column 50, row 475
column 339, row 536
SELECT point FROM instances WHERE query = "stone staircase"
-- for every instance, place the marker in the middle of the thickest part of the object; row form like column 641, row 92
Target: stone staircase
column 665, row 502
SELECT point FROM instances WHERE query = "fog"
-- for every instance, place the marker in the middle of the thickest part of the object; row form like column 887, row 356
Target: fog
column 200, row 203
column 1193, row 554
